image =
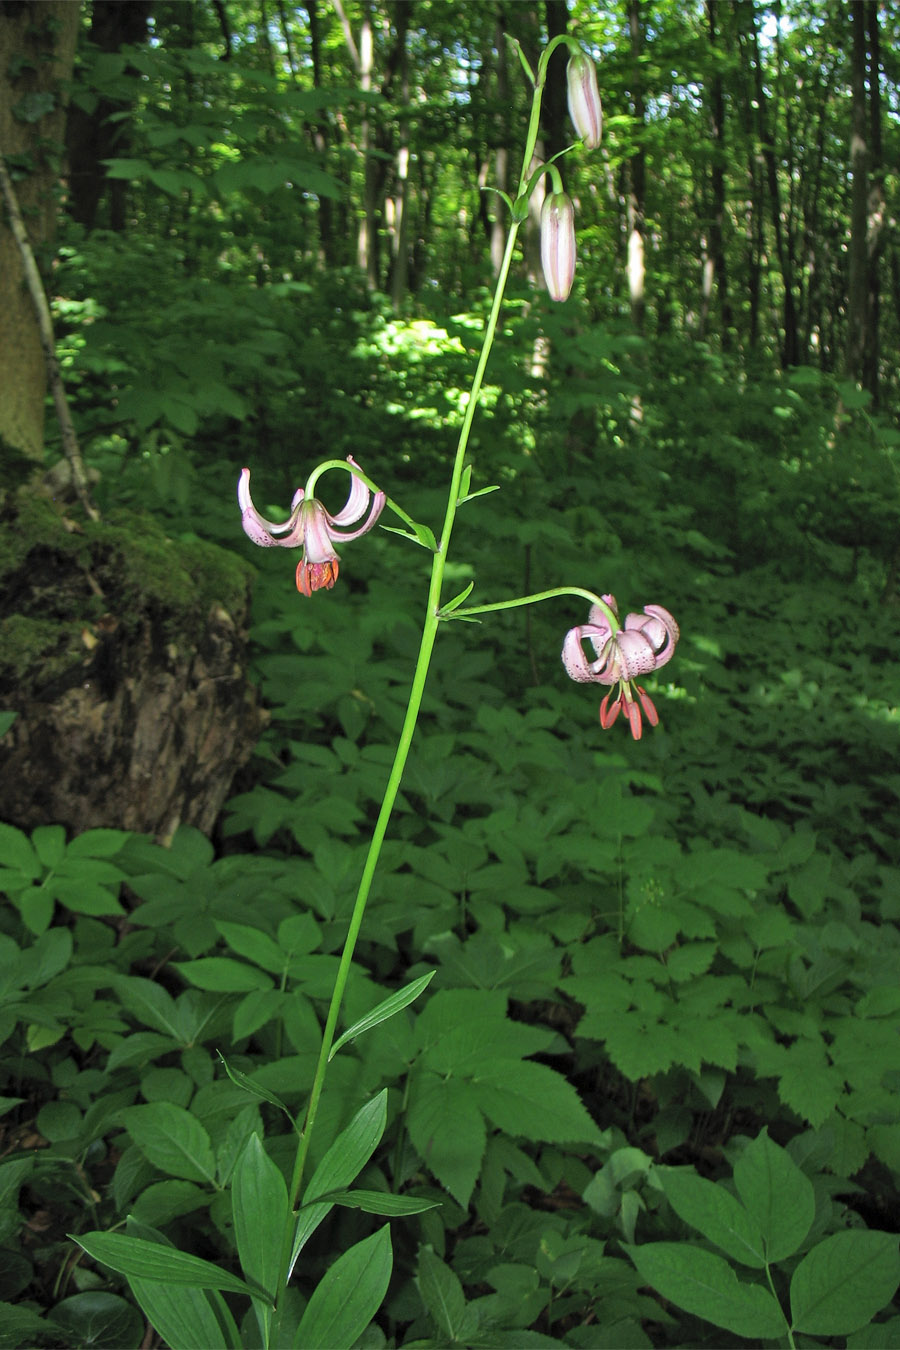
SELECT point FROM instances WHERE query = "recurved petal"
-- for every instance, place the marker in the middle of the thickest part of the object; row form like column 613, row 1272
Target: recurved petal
column 355, row 504
column 378, row 500
column 573, row 657
column 264, row 532
column 659, row 628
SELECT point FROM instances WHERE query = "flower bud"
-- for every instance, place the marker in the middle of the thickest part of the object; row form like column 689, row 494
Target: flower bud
column 584, row 100
column 558, row 244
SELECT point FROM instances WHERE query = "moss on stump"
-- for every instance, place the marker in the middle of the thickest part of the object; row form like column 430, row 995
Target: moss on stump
column 123, row 653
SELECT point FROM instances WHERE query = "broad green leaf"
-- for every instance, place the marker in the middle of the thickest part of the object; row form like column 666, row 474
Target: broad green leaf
column 704, row 1284
column 382, row 1202
column 49, row 844
column 149, row 1002
column 141, row 1260
column 844, row 1281
column 348, row 1296
column 396, row 1003
column 21, row 1326
column 254, row 945
column 533, row 1101
column 777, row 1195
column 259, row 1201
column 350, row 1152
column 442, row 1294
column 448, row 1131
column 876, row 1336
column 172, row 1139
column 100, row 843
column 17, row 854
column 715, row 1213
column 100, row 1319
column 222, row 975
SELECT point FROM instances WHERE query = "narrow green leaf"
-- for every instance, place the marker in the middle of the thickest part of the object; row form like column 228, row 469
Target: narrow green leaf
column 457, row 600
column 465, row 483
column 350, row 1152
column 396, row 1003
column 704, row 1284
column 777, row 1195
column 844, row 1281
column 382, row 1202
column 142, row 1260
column 714, row 1212
column 187, row 1319
column 420, row 534
column 482, row 492
column 242, row 1081
column 261, row 1213
column 348, row 1296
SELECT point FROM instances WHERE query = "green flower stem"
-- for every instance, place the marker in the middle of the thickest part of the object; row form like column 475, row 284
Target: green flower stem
column 309, row 489
column 465, row 613
column 426, row 648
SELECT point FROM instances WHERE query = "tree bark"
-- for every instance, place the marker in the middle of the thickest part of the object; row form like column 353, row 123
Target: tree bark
column 859, row 153
column 37, row 53
column 636, row 195
column 876, row 207
column 92, row 137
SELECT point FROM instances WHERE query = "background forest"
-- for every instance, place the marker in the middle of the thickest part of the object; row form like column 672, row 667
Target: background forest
column 651, row 1093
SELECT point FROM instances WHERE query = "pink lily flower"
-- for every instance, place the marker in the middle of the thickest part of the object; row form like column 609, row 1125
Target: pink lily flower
column 646, row 642
column 310, row 527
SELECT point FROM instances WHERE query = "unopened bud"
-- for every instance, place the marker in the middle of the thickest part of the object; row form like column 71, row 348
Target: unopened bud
column 584, row 100
column 558, row 244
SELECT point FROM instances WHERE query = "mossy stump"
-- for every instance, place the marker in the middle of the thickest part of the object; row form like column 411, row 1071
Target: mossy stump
column 123, row 654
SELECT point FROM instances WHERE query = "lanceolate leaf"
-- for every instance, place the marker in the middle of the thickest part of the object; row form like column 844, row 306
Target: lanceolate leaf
column 382, row 1202
column 261, row 1212
column 139, row 1259
column 401, row 999
column 186, row 1319
column 348, row 1296
column 242, row 1081
column 351, row 1150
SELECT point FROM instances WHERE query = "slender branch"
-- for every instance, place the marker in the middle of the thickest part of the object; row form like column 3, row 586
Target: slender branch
column 48, row 343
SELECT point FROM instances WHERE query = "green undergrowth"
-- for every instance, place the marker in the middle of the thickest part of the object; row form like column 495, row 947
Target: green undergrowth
column 652, row 1090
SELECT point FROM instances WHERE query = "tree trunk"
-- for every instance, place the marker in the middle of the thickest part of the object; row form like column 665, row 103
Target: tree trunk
column 37, row 53
column 790, row 349
column 876, row 207
column 101, row 134
column 718, row 267
column 858, row 279
column 636, row 198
